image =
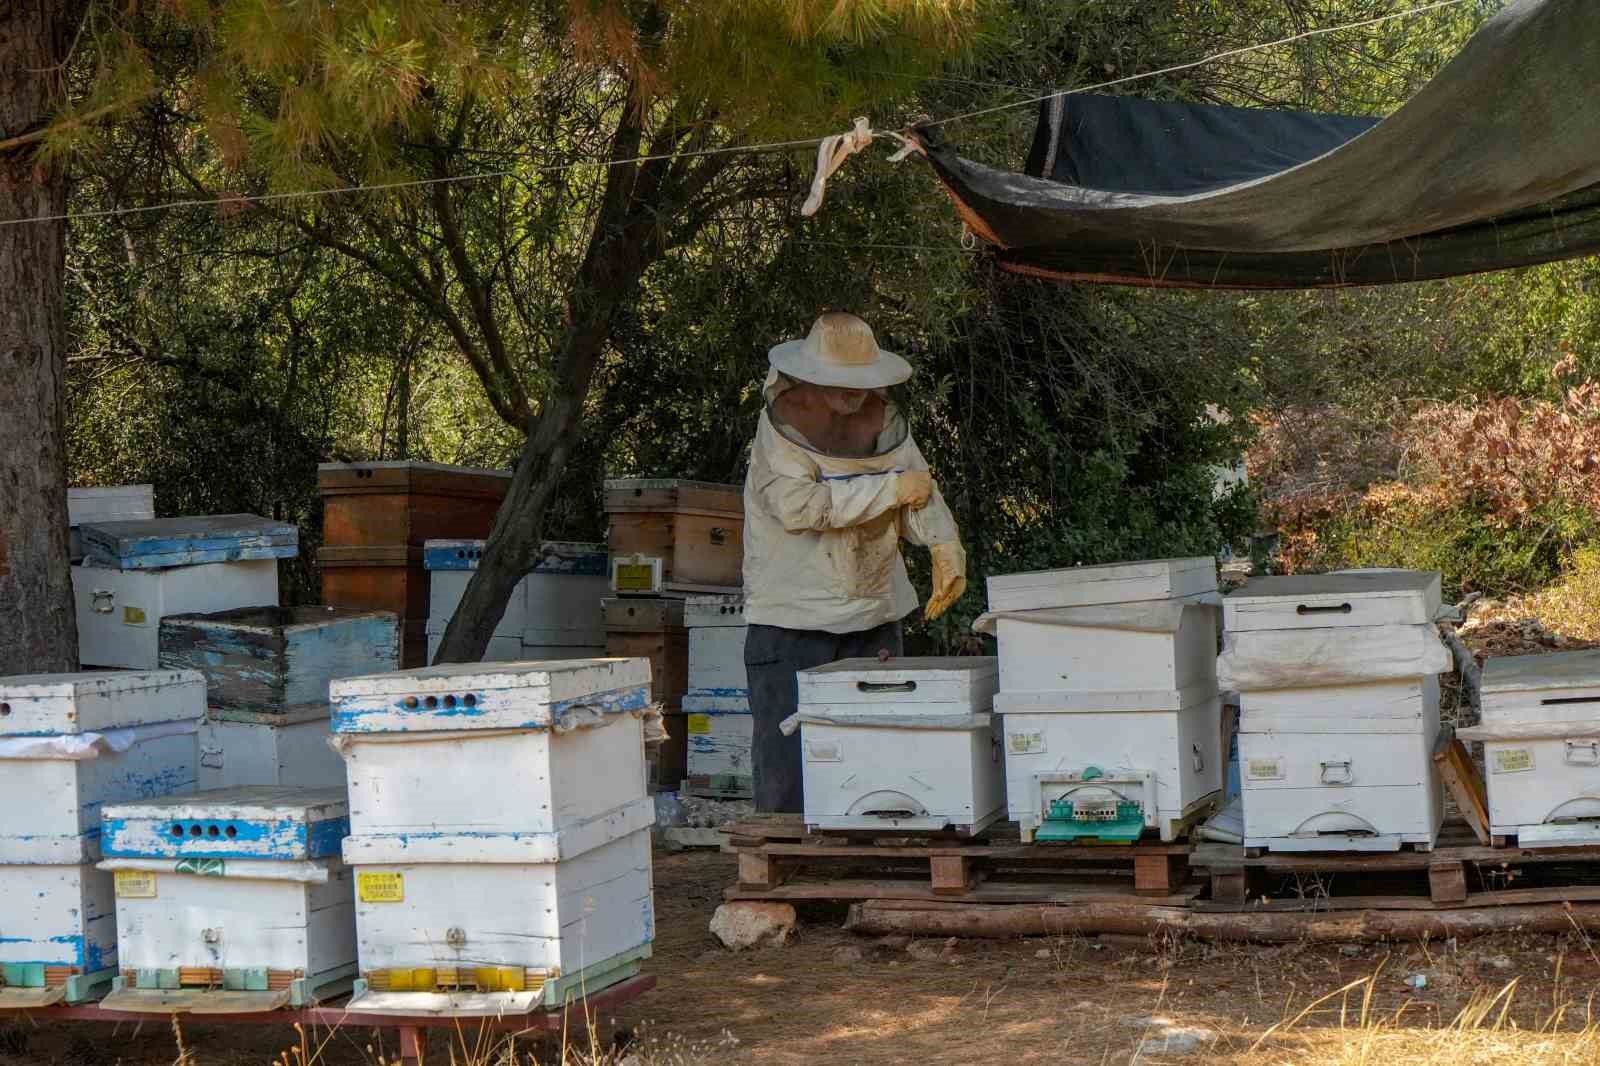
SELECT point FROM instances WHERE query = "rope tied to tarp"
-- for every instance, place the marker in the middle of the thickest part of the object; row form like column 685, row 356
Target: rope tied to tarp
column 836, row 148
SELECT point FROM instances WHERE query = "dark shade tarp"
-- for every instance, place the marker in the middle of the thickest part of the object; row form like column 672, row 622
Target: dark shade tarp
column 1495, row 163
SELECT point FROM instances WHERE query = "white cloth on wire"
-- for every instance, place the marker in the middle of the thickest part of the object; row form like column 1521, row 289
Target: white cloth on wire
column 78, row 746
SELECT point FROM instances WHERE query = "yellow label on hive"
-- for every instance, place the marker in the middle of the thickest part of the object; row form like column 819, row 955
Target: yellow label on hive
column 635, row 577
column 1263, row 769
column 135, row 884
column 699, row 723
column 133, row 616
column 380, row 886
column 1512, row 760
column 1025, row 743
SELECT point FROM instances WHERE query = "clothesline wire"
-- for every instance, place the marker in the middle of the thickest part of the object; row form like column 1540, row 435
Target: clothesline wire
column 750, row 149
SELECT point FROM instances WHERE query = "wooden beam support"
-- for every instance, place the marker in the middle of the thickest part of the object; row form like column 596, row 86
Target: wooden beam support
column 413, row 1045
column 951, row 876
column 1447, row 882
column 1159, row 875
column 1229, row 885
column 759, row 870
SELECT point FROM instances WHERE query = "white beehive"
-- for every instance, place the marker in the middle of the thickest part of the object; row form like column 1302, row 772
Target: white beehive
column 499, row 926
column 1341, row 767
column 231, row 901
column 1085, row 586
column 110, row 503
column 716, row 645
column 720, row 731
column 240, row 748
column 476, row 748
column 1541, row 747
column 1155, row 647
column 903, row 744
column 1339, row 709
column 58, row 933
column 70, row 743
column 554, row 613
column 1081, row 766
column 120, row 611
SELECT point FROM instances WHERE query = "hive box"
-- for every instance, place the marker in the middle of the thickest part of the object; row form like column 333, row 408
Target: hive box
column 1084, row 586
column 716, row 643
column 1156, row 647
column 554, row 612
column 1541, row 747
column 120, row 611
column 1077, row 770
column 114, row 503
column 1341, row 767
column 239, row 748
column 696, row 529
column 904, row 744
column 70, row 743
column 233, row 901
column 720, row 729
column 434, row 752
column 279, row 660
column 487, row 932
column 1342, row 600
column 158, row 543
column 58, row 940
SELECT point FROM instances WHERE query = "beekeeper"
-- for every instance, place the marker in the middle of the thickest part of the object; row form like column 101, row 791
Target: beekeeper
column 835, row 484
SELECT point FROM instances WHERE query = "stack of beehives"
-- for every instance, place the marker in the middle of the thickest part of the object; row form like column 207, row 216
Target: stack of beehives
column 267, row 671
column 1108, row 695
column 717, row 706
column 70, row 744
column 135, row 573
column 668, row 540
column 554, row 613
column 1337, row 676
column 500, row 832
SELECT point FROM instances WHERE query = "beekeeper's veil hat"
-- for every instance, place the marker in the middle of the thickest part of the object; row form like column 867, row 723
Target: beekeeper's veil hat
column 840, row 352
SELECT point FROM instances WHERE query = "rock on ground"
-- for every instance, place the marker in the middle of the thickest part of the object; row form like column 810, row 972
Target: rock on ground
column 749, row 923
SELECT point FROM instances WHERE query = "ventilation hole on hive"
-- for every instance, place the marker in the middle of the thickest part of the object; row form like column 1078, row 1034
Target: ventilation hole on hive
column 177, row 830
column 194, row 830
column 231, row 831
column 449, row 701
column 431, row 702
column 213, row 831
column 5, row 709
column 470, row 700
column 411, row 702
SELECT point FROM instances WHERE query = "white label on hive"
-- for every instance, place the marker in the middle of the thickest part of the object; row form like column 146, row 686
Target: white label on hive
column 1511, row 760
column 1025, row 743
column 822, row 751
column 1264, row 769
column 381, row 886
column 135, row 884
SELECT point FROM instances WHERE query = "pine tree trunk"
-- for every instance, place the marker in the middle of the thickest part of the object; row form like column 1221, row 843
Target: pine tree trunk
column 40, row 632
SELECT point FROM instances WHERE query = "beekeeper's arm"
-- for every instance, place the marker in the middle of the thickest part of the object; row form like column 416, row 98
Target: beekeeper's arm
column 934, row 526
column 794, row 491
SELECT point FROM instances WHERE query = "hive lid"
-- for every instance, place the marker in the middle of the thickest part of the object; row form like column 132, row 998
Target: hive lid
column 555, row 557
column 394, row 476
column 1081, row 586
column 1340, row 600
column 1578, row 670
column 623, row 495
column 151, row 543
column 248, row 822
column 470, row 696
column 907, row 685
column 110, row 503
column 47, row 704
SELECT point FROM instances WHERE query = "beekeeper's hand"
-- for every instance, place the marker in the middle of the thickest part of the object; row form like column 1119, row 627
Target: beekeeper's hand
column 949, row 578
column 913, row 488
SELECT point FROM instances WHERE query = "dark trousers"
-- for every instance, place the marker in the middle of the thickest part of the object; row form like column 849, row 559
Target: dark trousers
column 772, row 656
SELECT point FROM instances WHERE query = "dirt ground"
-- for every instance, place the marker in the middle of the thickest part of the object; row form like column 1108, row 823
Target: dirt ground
column 832, row 997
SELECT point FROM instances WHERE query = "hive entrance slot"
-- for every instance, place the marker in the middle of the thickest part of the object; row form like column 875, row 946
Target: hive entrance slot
column 886, row 686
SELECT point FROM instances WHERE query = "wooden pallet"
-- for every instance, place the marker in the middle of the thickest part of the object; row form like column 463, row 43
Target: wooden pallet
column 1458, row 872
column 779, row 859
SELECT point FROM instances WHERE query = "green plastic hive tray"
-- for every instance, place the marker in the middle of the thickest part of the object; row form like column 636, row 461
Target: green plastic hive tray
column 1062, row 823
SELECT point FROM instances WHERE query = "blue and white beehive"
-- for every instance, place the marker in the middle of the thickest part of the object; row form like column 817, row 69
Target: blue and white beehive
column 553, row 614
column 500, row 832
column 160, row 543
column 69, row 745
column 230, row 901
column 717, row 706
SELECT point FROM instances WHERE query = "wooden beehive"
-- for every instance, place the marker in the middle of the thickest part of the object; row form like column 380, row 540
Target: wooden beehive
column 157, row 543
column 553, row 614
column 112, row 503
column 120, row 611
column 232, row 901
column 279, row 659
column 716, row 644
column 239, row 748
column 376, row 519
column 696, row 529
column 60, row 942
column 1084, row 586
column 1159, row 646
column 720, row 731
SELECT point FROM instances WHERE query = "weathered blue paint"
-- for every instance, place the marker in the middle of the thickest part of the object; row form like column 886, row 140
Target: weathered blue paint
column 282, row 838
column 556, row 557
column 719, row 693
column 364, row 714
column 158, row 542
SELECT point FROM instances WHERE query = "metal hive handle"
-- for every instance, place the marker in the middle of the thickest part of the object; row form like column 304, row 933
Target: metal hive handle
column 1343, row 608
